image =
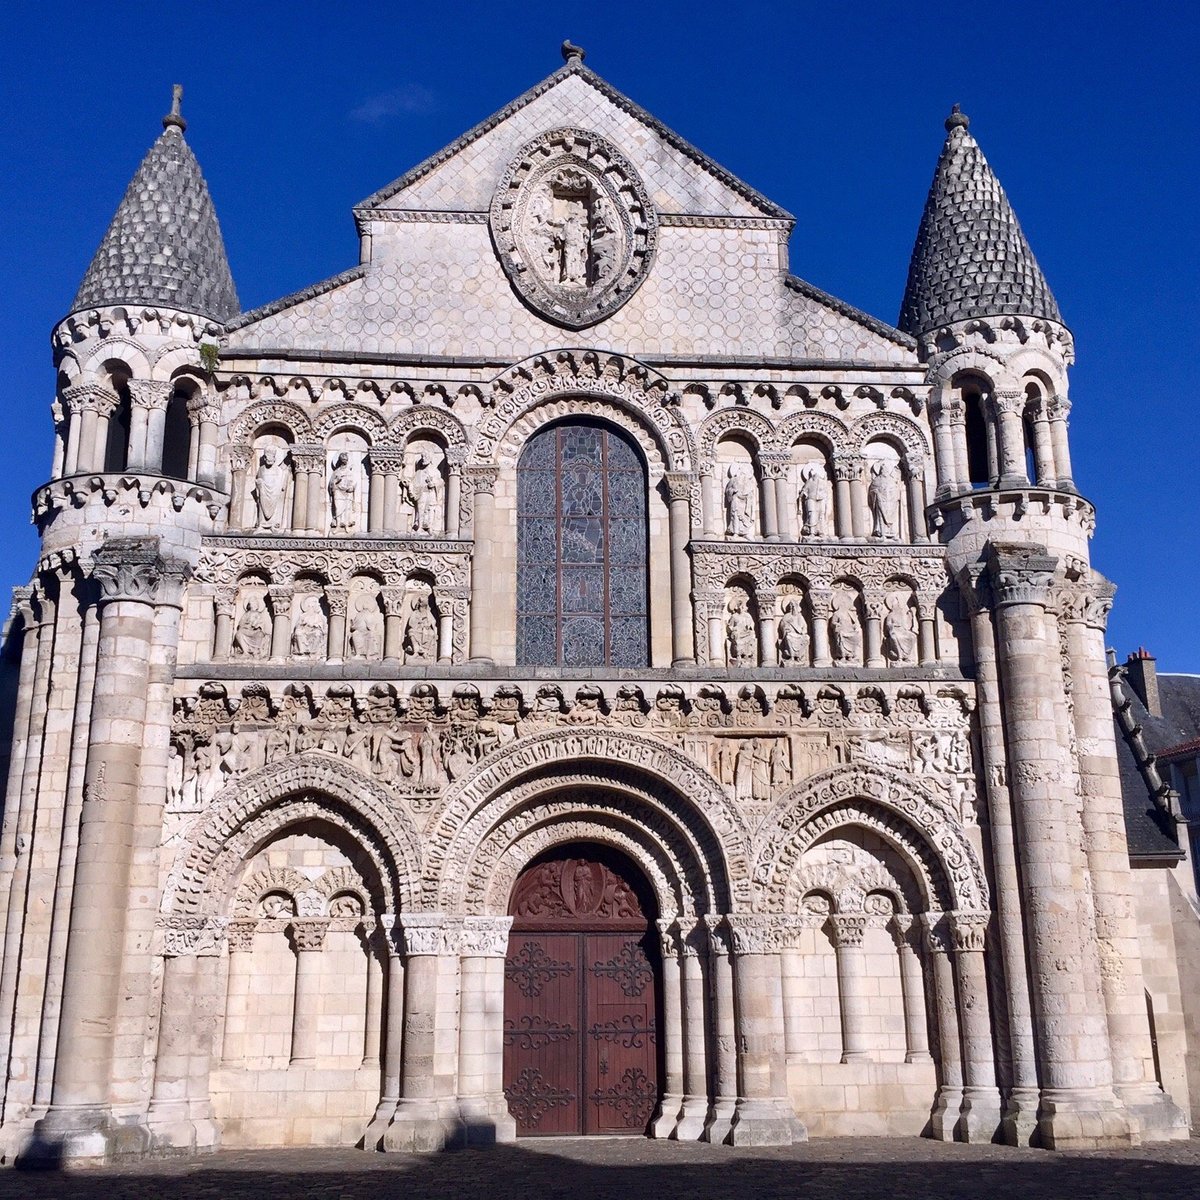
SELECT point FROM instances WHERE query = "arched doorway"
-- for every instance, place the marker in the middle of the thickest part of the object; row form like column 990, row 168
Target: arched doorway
column 582, row 996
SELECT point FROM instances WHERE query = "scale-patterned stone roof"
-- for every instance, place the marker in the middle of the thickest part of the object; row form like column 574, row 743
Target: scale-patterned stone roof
column 971, row 258
column 164, row 245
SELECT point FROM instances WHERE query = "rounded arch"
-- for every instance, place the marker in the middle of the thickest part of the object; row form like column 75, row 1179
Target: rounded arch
column 254, row 808
column 655, row 782
column 270, row 412
column 890, row 804
column 355, row 417
column 118, row 349
column 827, row 430
column 969, row 360
column 175, row 357
column 425, row 418
column 904, row 434
column 742, row 422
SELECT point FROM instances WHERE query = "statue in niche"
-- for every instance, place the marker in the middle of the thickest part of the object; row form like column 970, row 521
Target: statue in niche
column 252, row 635
column 743, row 769
column 760, row 772
column 742, row 636
column 899, row 633
column 883, row 496
column 429, row 762
column 781, row 766
column 310, row 634
column 425, row 495
column 845, row 633
column 364, row 632
column 793, row 636
column 343, row 492
column 740, row 497
column 420, row 633
column 270, row 488
column 814, row 502
column 174, row 776
column 568, row 228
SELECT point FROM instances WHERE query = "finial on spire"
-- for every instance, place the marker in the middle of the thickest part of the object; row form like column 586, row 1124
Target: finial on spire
column 174, row 117
column 957, row 120
column 572, row 53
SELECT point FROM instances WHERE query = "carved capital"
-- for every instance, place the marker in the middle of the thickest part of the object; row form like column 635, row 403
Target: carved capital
column 240, row 935
column 485, row 937
column 337, row 598
column 280, row 595
column 968, row 930
column 905, row 930
column 225, row 601
column 937, row 932
column 1007, row 402
column 755, row 934
column 132, row 569
column 774, row 463
column 392, row 596
column 1088, row 603
column 848, row 929
column 422, row 933
column 309, row 934
column 150, row 393
column 718, row 935
column 184, row 936
column 1059, row 408
column 386, row 462
column 482, row 479
column 693, row 938
column 679, row 485
column 1021, row 573
column 310, row 459
column 668, row 937
column 90, row 397
column 202, row 407
column 847, row 467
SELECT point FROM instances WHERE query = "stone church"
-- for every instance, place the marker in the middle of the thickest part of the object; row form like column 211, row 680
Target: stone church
column 565, row 674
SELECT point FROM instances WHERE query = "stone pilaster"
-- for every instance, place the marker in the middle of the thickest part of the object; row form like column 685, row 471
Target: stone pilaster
column 980, row 1114
column 667, row 1117
column 483, row 570
column 725, row 1089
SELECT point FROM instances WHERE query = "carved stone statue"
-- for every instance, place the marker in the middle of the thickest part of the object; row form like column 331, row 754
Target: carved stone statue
column 740, row 502
column 742, row 636
column 883, row 496
column 420, row 633
column 310, row 633
column 814, row 502
column 343, row 493
column 845, row 632
column 899, row 634
column 252, row 635
column 270, row 488
column 425, row 490
column 792, row 641
column 364, row 632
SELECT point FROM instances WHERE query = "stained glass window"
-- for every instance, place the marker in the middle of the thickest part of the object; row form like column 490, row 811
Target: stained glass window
column 581, row 549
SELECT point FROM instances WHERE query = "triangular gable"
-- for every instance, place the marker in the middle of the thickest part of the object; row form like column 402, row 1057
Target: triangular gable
column 463, row 175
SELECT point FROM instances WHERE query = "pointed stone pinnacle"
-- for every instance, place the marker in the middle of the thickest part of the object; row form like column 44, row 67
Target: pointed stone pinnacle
column 175, row 117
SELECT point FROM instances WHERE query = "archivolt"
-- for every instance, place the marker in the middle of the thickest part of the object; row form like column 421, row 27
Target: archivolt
column 825, row 428
column 890, row 804
column 310, row 787
column 270, row 412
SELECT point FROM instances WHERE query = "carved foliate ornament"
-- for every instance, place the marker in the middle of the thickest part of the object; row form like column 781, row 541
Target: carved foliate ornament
column 573, row 227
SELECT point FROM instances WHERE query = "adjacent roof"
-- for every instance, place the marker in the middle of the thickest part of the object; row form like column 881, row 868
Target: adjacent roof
column 971, row 258
column 164, row 245
column 1141, row 740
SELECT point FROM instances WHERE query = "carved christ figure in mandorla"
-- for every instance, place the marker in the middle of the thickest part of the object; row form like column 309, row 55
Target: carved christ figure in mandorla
column 575, row 240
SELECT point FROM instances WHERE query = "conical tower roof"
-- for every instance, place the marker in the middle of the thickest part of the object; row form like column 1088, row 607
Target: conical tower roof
column 971, row 258
column 164, row 245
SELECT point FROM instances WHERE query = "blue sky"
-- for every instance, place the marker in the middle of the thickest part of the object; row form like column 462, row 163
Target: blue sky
column 1089, row 114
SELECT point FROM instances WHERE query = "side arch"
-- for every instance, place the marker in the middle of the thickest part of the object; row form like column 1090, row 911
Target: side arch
column 250, row 810
column 426, row 418
column 826, row 429
column 744, row 421
column 270, row 412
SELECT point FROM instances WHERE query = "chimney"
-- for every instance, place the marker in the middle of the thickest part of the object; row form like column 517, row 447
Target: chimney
column 1143, row 678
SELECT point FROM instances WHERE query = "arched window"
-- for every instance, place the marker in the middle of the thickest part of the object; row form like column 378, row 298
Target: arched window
column 177, row 435
column 979, row 467
column 581, row 549
column 116, row 449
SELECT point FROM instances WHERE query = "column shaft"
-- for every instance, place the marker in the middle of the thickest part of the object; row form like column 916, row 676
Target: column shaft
column 683, row 646
column 672, row 1033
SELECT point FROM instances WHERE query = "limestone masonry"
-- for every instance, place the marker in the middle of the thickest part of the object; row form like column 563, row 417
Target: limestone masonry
column 568, row 674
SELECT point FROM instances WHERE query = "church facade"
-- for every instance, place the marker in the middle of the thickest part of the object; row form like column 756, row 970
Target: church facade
column 564, row 674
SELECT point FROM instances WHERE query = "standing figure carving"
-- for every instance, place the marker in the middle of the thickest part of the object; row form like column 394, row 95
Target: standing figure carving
column 883, row 496
column 814, row 502
column 740, row 502
column 343, row 493
column 310, row 633
column 899, row 634
column 845, row 632
column 792, row 641
column 270, row 488
column 252, row 636
column 742, row 636
column 420, row 633
column 425, row 493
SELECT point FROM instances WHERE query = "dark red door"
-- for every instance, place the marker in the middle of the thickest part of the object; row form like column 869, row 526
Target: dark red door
column 581, row 997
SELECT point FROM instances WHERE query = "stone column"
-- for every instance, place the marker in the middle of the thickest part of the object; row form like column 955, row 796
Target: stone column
column 768, row 627
column 1085, row 609
column 792, row 965
column 905, row 932
column 393, row 632
column 679, row 493
column 375, row 494
column 148, row 423
column 709, row 505
column 843, row 474
column 927, row 652
column 1078, row 1106
column 1020, row 1117
column 483, row 1109
column 202, row 453
column 280, row 595
column 764, row 1114
column 336, row 600
column 309, row 939
column 444, row 611
column 135, row 583
column 914, row 483
column 224, row 601
column 773, row 466
column 1043, row 448
column 956, row 411
column 945, row 459
column 848, row 930
column 711, row 604
column 693, row 1116
column 83, row 402
column 239, row 472
column 393, row 1034
column 314, row 466
column 240, row 939
column 373, row 1015
column 873, row 602
column 1058, row 410
column 725, row 1089
column 454, row 465
column 308, row 463
column 416, row 1124
column 980, row 1113
column 180, row 1116
column 1008, row 406
column 948, row 1103
column 820, row 600
column 668, row 1115
column 860, row 516
column 483, row 571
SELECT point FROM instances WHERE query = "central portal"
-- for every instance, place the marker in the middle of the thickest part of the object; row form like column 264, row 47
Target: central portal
column 581, row 996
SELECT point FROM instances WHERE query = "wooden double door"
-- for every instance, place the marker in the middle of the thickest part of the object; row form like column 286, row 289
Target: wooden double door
column 581, row 998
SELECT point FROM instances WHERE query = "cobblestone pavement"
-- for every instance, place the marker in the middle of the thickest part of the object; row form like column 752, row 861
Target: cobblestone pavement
column 633, row 1169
